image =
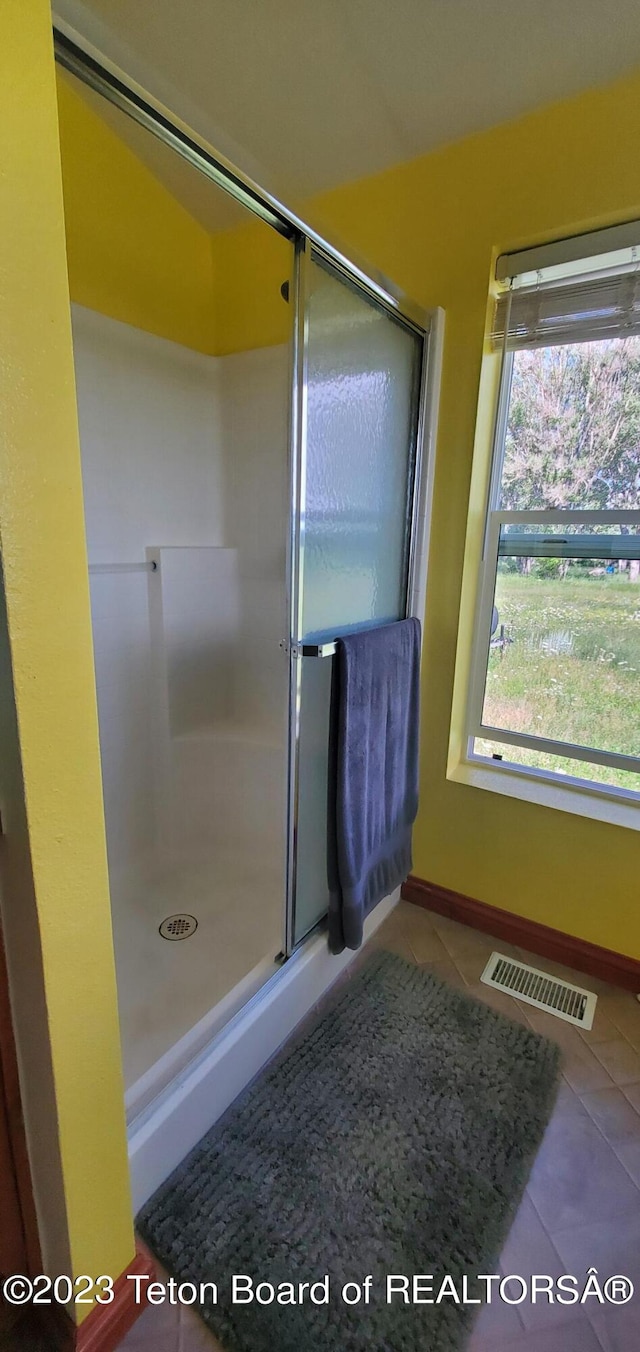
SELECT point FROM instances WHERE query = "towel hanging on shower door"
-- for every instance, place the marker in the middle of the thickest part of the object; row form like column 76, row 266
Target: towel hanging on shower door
column 373, row 794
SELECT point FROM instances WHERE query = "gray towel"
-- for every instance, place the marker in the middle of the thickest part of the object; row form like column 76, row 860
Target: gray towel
column 374, row 784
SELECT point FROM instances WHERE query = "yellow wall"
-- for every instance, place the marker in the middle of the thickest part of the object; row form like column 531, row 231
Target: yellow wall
column 44, row 562
column 249, row 266
column 134, row 253
column 434, row 226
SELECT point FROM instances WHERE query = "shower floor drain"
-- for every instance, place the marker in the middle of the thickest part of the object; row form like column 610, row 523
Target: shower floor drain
column 178, row 926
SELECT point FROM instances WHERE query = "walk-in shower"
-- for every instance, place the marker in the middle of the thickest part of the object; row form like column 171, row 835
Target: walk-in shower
column 251, row 413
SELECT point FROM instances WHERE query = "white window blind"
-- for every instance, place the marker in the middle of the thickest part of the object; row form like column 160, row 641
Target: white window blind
column 575, row 311
column 614, row 239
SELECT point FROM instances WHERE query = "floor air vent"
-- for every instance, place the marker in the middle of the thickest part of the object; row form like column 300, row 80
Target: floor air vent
column 540, row 989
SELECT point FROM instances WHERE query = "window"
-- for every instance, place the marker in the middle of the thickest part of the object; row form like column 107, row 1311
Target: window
column 555, row 686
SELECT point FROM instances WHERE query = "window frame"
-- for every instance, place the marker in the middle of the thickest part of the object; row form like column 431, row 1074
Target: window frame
column 475, row 728
column 486, row 600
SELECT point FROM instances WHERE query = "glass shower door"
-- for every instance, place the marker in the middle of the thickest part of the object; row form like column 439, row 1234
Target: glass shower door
column 357, row 479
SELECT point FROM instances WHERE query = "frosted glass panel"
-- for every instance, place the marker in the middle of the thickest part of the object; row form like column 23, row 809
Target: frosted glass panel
column 363, row 371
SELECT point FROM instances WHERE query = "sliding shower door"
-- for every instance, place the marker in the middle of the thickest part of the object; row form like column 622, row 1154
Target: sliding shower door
column 360, row 371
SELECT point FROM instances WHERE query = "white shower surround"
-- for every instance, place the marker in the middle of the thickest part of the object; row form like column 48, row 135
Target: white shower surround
column 185, row 463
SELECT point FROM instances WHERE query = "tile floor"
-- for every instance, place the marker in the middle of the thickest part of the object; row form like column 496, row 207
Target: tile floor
column 581, row 1208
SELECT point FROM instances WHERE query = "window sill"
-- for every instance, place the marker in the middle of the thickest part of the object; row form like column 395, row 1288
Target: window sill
column 548, row 790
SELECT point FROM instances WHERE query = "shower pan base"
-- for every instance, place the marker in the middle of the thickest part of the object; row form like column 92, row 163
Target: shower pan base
column 168, row 990
column 178, row 1114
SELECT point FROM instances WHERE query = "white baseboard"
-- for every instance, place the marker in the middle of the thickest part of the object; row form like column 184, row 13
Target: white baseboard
column 168, row 1128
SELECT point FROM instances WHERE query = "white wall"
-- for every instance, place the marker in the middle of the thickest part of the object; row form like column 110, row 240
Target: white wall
column 152, row 471
column 254, row 418
column 228, row 753
column 189, row 451
column 151, row 440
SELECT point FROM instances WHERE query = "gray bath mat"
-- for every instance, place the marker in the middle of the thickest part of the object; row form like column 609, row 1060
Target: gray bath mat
column 394, row 1137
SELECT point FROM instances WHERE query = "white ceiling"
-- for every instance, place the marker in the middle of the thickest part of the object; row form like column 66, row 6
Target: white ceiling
column 307, row 94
